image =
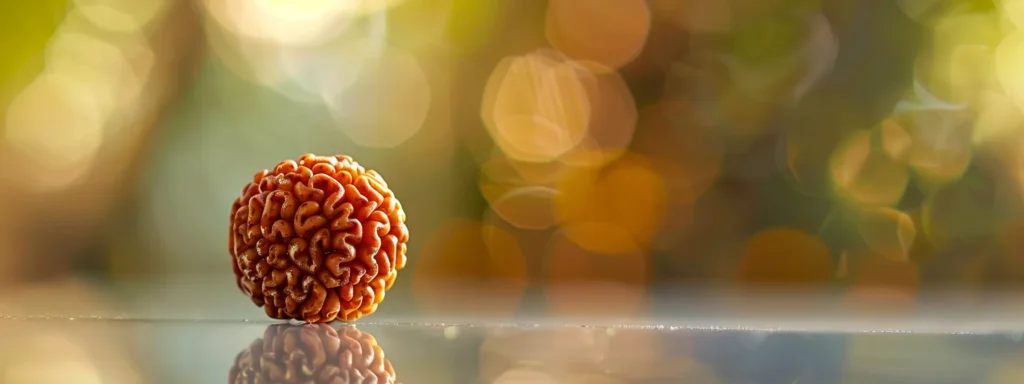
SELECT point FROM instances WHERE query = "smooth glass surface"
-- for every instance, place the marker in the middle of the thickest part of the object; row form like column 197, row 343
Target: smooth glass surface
column 199, row 331
column 123, row 351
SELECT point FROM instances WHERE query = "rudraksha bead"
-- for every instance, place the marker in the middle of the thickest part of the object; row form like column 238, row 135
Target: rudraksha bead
column 317, row 239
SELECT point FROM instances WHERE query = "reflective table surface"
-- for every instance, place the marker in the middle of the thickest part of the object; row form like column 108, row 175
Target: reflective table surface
column 129, row 351
column 199, row 332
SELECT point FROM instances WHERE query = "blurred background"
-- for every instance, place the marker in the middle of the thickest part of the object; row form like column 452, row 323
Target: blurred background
column 563, row 159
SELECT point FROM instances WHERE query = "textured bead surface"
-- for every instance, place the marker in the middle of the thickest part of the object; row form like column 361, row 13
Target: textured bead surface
column 317, row 239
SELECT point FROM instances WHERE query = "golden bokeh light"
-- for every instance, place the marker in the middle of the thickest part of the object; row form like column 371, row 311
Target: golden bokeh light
column 249, row 59
column 1008, row 55
column 613, row 118
column 895, row 140
column 355, row 7
column 610, row 32
column 500, row 169
column 499, row 177
column 784, row 258
column 536, row 107
column 329, row 70
column 887, row 232
column 290, row 23
column 866, row 175
column 604, row 237
column 90, row 87
column 960, row 39
column 1012, row 10
column 583, row 283
column 113, row 71
column 998, row 121
column 618, row 207
column 941, row 150
column 123, row 16
column 972, row 73
column 469, row 258
column 57, row 122
column 527, row 207
column 387, row 104
column 309, row 73
column 521, row 193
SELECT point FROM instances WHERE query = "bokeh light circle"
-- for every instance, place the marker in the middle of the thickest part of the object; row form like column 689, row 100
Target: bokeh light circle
column 865, row 175
column 113, row 71
column 527, row 207
column 887, row 232
column 328, row 71
column 57, row 123
column 617, row 208
column 613, row 117
column 290, row 23
column 123, row 16
column 610, row 32
column 388, row 102
column 536, row 107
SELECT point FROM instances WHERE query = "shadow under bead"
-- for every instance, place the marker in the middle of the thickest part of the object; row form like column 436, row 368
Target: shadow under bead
column 317, row 239
column 312, row 353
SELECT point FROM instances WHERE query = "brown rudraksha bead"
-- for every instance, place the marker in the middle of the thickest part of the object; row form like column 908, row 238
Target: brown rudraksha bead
column 312, row 353
column 317, row 239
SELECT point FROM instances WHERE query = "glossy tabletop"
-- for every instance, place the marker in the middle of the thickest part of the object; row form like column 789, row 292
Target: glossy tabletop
column 204, row 331
column 136, row 351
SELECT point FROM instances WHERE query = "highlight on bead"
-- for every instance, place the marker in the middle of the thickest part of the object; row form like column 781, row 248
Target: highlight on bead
column 317, row 239
column 312, row 353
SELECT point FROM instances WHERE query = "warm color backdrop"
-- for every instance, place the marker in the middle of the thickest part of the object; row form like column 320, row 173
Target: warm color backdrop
column 554, row 158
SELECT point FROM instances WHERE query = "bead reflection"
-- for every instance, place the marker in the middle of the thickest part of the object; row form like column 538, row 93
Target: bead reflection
column 312, row 353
